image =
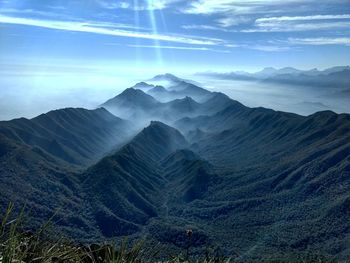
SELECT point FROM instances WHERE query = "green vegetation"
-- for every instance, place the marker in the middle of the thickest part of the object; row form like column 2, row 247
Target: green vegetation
column 18, row 245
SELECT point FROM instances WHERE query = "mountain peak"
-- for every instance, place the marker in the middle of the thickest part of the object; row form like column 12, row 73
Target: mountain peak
column 130, row 98
column 161, row 127
column 159, row 140
column 166, row 131
column 143, row 85
column 166, row 77
column 185, row 104
column 157, row 89
column 267, row 70
column 158, row 124
column 132, row 91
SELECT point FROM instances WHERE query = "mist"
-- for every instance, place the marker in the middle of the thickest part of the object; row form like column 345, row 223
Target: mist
column 300, row 99
column 29, row 91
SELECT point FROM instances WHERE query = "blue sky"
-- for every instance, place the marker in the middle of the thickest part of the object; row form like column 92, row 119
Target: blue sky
column 175, row 35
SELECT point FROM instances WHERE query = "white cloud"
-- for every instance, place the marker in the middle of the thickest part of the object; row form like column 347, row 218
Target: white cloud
column 107, row 29
column 295, row 27
column 268, row 48
column 206, row 27
column 235, row 7
column 261, row 47
column 320, row 41
column 114, row 5
column 180, row 48
column 302, row 18
column 247, row 6
column 217, row 6
column 300, row 23
column 233, row 21
column 138, row 5
column 238, row 12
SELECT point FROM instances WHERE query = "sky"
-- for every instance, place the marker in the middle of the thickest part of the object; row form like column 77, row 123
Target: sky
column 183, row 35
column 86, row 48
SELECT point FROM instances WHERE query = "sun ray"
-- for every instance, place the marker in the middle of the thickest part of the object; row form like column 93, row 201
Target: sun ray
column 152, row 17
column 137, row 25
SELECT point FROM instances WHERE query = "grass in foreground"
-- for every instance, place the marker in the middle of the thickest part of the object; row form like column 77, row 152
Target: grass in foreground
column 17, row 245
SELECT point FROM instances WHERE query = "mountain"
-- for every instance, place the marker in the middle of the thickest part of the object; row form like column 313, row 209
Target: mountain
column 177, row 102
column 179, row 89
column 143, row 86
column 74, row 135
column 292, row 166
column 336, row 69
column 41, row 158
column 267, row 72
column 166, row 77
column 131, row 98
column 333, row 79
column 189, row 175
column 336, row 77
column 264, row 184
column 183, row 89
column 161, row 94
column 134, row 178
column 132, row 104
column 30, row 176
column 185, row 105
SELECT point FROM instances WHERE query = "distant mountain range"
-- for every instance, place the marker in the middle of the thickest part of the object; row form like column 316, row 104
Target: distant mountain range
column 157, row 159
column 338, row 77
column 166, row 104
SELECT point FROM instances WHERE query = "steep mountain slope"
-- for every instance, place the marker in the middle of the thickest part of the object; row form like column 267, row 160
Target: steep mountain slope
column 296, row 168
column 133, row 177
column 132, row 103
column 161, row 94
column 189, row 176
column 190, row 89
column 44, row 184
column 77, row 136
column 40, row 161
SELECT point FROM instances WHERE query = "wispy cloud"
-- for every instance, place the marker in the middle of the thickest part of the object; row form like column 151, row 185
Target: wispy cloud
column 107, row 29
column 181, row 48
column 114, row 5
column 138, row 5
column 296, row 27
column 300, row 23
column 268, row 48
column 302, row 18
column 205, row 27
column 320, row 41
column 233, row 21
column 239, row 7
column 217, row 6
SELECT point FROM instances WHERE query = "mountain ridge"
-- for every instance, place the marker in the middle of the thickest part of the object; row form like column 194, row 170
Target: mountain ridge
column 253, row 180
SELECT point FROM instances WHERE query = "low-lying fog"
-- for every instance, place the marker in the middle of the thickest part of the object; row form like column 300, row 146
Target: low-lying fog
column 30, row 93
column 303, row 100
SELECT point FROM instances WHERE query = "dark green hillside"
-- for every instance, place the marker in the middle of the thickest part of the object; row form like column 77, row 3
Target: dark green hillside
column 285, row 180
column 124, row 188
column 77, row 136
column 189, row 175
